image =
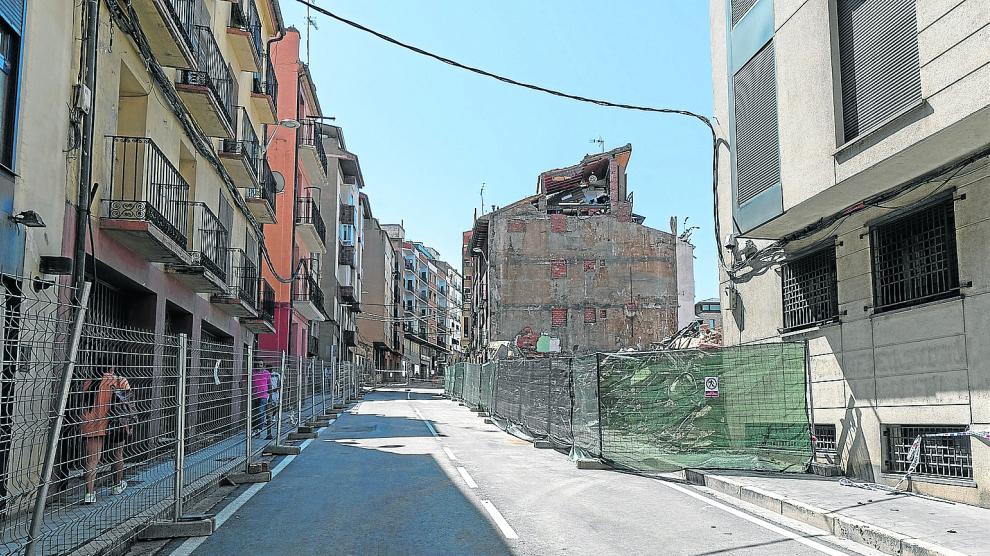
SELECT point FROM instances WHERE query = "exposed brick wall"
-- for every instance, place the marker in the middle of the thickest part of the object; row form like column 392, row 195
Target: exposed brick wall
column 590, row 315
column 558, row 317
column 516, row 225
column 558, row 268
column 558, row 223
column 590, row 265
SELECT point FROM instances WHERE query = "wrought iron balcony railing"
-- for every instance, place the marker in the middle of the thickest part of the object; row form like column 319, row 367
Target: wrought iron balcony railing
column 212, row 71
column 211, row 241
column 145, row 185
column 243, row 281
column 267, row 188
column 244, row 15
column 308, row 289
column 246, row 142
column 309, row 135
column 266, row 303
column 309, row 213
column 267, row 84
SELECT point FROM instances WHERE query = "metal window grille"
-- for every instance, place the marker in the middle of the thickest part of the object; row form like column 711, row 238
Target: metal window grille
column 825, row 439
column 809, row 289
column 941, row 456
column 914, row 258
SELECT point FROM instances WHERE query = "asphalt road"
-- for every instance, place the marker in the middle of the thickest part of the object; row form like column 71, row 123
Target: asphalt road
column 408, row 473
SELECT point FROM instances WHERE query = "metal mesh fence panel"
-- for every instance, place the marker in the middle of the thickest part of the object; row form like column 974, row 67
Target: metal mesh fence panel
column 472, row 384
column 585, row 424
column 486, row 385
column 522, row 396
column 560, row 403
column 741, row 407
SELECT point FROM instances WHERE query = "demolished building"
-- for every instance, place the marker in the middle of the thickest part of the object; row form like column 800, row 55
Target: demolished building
column 572, row 269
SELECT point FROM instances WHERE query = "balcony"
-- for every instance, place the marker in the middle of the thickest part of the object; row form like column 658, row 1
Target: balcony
column 244, row 34
column 264, row 323
column 307, row 297
column 209, row 258
column 261, row 199
column 241, row 296
column 164, row 23
column 264, row 94
column 347, row 214
column 312, row 157
column 146, row 207
column 313, row 346
column 345, row 255
column 209, row 91
column 350, row 338
column 241, row 154
column 310, row 228
column 347, row 294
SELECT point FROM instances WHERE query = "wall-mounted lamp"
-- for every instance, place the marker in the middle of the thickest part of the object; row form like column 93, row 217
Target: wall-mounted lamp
column 28, row 219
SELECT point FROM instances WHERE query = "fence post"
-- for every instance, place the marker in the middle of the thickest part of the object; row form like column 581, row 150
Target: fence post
column 312, row 369
column 180, row 428
column 250, row 410
column 55, row 432
column 333, row 382
column 549, row 393
column 300, row 390
column 323, row 385
column 598, row 390
column 281, row 398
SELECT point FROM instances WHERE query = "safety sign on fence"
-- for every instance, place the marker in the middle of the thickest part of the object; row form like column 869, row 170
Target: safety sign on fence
column 711, row 386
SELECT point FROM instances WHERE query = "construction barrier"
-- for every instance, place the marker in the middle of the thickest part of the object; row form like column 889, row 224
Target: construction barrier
column 742, row 407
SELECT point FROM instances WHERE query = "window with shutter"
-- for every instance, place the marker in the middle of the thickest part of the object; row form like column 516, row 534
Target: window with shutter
column 739, row 9
column 755, row 96
column 878, row 60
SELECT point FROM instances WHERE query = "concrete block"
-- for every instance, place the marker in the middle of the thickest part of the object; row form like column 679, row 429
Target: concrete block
column 484, row 414
column 318, row 423
column 591, row 464
column 917, row 547
column 806, row 513
column 489, row 422
column 475, row 410
column 694, row 477
column 460, row 404
column 301, row 435
column 542, row 444
column 866, row 534
column 249, row 478
column 338, row 406
column 762, row 498
column 277, row 450
column 722, row 485
column 305, row 429
column 198, row 526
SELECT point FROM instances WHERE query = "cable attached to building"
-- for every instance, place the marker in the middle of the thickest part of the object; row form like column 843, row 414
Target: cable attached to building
column 716, row 142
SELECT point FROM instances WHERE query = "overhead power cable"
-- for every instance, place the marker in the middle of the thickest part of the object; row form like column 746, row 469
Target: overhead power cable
column 599, row 102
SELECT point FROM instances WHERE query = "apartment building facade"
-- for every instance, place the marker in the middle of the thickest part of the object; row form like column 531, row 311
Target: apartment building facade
column 344, row 205
column 296, row 239
column 851, row 203
column 378, row 326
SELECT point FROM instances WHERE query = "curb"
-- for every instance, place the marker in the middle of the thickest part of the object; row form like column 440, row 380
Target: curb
column 843, row 527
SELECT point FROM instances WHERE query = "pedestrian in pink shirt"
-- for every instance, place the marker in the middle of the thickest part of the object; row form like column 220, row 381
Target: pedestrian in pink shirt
column 260, row 391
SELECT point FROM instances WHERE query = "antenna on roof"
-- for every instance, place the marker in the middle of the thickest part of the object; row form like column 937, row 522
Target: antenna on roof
column 600, row 141
column 482, row 197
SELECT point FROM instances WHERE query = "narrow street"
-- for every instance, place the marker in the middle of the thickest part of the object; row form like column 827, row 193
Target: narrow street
column 379, row 481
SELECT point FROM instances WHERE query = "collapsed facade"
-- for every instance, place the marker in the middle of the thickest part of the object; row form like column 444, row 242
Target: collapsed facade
column 572, row 269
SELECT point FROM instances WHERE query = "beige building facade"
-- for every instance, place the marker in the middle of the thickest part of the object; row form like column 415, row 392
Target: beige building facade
column 851, row 198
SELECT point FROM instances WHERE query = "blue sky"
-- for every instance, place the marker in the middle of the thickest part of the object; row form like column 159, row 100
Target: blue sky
column 429, row 134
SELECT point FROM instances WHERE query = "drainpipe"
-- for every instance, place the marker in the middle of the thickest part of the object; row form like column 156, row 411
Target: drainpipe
column 292, row 250
column 90, row 46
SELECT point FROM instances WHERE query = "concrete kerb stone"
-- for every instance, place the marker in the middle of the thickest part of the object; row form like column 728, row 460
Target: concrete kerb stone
column 489, row 422
column 484, row 414
column 542, row 444
column 878, row 538
column 301, row 435
column 592, row 464
column 187, row 527
column 277, row 450
column 249, row 478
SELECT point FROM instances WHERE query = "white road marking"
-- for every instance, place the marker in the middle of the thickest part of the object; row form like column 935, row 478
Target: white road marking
column 190, row 546
column 429, row 425
column 755, row 520
column 503, row 525
column 467, row 478
column 449, row 454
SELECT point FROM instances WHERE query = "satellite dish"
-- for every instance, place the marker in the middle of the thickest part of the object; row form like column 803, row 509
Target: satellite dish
column 592, row 178
column 279, row 181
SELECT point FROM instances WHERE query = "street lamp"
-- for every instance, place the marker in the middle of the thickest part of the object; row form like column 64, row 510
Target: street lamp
column 287, row 124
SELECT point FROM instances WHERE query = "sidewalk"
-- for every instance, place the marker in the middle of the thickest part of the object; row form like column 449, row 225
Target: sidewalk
column 899, row 524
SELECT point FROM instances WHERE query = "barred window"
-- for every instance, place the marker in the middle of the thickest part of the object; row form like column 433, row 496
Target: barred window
column 914, row 258
column 809, row 288
column 825, row 439
column 941, row 456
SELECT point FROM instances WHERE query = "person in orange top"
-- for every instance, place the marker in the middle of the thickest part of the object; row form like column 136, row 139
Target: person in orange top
column 95, row 427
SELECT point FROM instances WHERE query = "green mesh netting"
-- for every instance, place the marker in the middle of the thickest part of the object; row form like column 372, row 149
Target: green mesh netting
column 658, row 416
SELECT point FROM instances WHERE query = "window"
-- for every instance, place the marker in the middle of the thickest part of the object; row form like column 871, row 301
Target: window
column 809, row 289
column 914, row 258
column 941, row 456
column 878, row 61
column 9, row 72
column 755, row 96
column 346, row 234
column 740, row 8
column 825, row 439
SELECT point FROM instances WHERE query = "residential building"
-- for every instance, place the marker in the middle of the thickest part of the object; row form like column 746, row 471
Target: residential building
column 450, row 308
column 426, row 305
column 709, row 312
column 379, row 329
column 342, row 198
column 295, row 236
column 852, row 196
column 571, row 269
column 467, row 283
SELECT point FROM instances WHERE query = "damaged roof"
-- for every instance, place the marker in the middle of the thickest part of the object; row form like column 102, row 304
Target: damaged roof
column 596, row 165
